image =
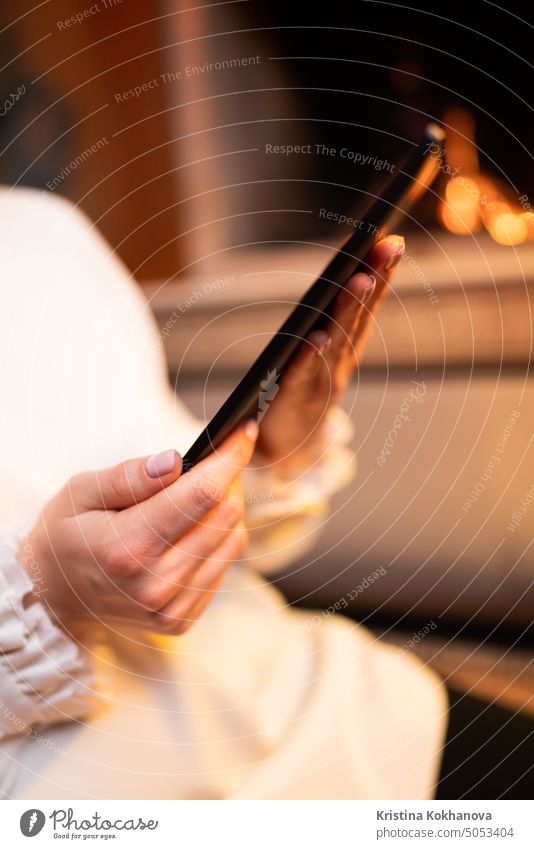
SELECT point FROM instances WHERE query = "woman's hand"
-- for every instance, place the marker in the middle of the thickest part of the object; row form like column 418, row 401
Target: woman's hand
column 291, row 435
column 140, row 543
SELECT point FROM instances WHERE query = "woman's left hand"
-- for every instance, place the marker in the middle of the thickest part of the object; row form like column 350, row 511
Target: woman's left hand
column 291, row 432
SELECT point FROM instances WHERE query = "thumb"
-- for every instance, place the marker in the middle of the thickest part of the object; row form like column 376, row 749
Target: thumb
column 126, row 484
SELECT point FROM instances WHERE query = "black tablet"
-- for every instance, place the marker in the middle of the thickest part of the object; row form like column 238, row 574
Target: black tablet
column 410, row 183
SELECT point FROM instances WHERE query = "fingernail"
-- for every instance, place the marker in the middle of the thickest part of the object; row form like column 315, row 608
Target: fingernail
column 323, row 347
column 399, row 248
column 320, row 341
column 251, row 430
column 362, row 286
column 161, row 464
column 368, row 292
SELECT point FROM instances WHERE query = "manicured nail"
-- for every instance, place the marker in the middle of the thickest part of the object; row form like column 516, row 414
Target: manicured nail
column 323, row 347
column 251, row 430
column 161, row 464
column 398, row 250
column 368, row 292
column 320, row 340
column 362, row 286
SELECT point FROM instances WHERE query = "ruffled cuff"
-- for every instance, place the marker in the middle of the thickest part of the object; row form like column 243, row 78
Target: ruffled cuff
column 283, row 516
column 45, row 678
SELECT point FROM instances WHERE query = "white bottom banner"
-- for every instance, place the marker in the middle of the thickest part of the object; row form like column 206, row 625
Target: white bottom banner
column 262, row 825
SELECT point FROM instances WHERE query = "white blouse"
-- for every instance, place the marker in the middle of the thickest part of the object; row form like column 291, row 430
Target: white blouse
column 257, row 700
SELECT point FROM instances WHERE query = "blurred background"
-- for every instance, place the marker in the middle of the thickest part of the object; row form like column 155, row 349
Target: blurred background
column 365, row 76
column 216, row 148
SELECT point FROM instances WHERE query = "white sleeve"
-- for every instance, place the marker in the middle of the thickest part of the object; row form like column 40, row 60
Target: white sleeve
column 283, row 517
column 44, row 677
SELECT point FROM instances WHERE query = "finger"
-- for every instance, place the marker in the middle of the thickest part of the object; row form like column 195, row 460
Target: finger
column 175, row 570
column 124, row 484
column 359, row 290
column 179, row 614
column 151, row 526
column 383, row 259
column 302, row 373
column 362, row 294
column 346, row 312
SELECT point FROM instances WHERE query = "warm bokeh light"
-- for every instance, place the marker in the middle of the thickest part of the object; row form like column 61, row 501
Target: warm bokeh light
column 473, row 200
column 460, row 211
column 528, row 217
column 506, row 226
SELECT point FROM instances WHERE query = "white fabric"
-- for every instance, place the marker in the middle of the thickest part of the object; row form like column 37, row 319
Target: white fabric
column 45, row 678
column 256, row 700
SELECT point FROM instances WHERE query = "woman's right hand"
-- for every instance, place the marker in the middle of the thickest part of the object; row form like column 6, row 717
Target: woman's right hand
column 140, row 543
